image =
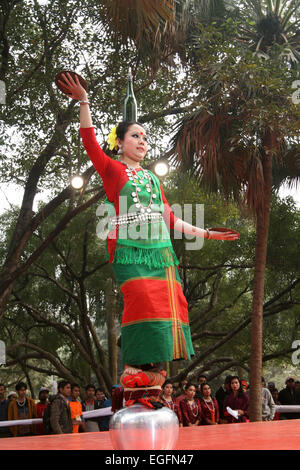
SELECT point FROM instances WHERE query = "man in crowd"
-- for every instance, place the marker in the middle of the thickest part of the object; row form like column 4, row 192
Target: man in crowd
column 22, row 407
column 221, row 395
column 76, row 409
column 180, row 393
column 90, row 403
column 40, row 408
column 4, row 431
column 271, row 386
column 100, row 396
column 60, row 415
column 201, row 380
column 268, row 405
column 289, row 396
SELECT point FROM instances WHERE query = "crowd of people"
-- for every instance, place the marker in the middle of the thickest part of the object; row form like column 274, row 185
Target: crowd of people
column 193, row 403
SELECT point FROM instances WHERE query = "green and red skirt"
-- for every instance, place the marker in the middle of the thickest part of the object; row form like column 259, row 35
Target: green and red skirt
column 155, row 324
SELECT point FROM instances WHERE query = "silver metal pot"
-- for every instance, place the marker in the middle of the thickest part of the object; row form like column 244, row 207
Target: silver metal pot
column 140, row 428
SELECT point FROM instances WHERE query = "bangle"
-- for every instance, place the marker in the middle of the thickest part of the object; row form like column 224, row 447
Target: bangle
column 208, row 234
column 84, row 102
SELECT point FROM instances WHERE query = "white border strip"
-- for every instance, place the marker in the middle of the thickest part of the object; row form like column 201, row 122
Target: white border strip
column 86, row 415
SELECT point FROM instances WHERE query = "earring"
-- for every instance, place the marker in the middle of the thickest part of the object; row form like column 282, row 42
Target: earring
column 120, row 150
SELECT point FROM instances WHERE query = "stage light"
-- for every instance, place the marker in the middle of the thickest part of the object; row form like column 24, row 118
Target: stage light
column 161, row 168
column 77, row 182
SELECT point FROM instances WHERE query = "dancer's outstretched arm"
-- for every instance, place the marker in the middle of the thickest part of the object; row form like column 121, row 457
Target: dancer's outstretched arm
column 182, row 226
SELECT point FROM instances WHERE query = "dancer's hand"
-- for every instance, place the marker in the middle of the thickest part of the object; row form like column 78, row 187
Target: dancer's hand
column 73, row 86
column 224, row 234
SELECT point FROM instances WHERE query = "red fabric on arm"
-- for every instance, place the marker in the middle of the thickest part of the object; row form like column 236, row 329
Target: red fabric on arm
column 110, row 170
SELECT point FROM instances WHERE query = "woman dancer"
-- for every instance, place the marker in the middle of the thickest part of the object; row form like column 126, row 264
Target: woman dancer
column 190, row 407
column 167, row 399
column 209, row 405
column 155, row 326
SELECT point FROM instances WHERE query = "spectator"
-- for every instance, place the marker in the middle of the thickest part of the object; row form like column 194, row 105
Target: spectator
column 22, row 407
column 271, row 386
column 11, row 396
column 4, row 431
column 104, row 420
column 221, row 395
column 297, row 386
column 40, row 408
column 90, row 403
column 168, row 400
column 244, row 385
column 100, row 396
column 274, row 394
column 209, row 405
column 237, row 400
column 76, row 409
column 180, row 393
column 201, row 380
column 289, row 396
column 190, row 407
column 60, row 415
column 268, row 405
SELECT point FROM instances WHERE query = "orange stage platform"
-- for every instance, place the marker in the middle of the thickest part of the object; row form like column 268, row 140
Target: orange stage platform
column 276, row 435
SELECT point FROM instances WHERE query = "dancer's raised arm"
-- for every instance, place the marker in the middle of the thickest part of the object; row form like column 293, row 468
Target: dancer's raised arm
column 77, row 92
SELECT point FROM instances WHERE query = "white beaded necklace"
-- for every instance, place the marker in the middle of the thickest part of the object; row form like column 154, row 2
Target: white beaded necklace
column 191, row 408
column 135, row 179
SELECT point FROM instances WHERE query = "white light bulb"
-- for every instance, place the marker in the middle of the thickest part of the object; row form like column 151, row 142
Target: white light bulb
column 77, row 182
column 161, row 169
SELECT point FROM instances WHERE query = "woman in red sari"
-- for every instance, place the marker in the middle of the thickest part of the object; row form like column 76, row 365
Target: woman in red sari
column 237, row 400
column 168, row 400
column 209, row 406
column 190, row 407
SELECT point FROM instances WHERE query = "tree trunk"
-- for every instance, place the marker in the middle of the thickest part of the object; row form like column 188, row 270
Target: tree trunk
column 262, row 231
column 111, row 330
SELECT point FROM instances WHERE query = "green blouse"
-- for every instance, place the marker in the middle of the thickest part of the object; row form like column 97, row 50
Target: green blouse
column 146, row 242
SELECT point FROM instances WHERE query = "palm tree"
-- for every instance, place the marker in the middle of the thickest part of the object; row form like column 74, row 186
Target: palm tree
column 157, row 28
column 246, row 121
column 147, row 25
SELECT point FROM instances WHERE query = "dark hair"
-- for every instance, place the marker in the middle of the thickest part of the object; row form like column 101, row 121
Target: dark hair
column 228, row 379
column 2, row 385
column 189, row 384
column 166, row 382
column 99, row 389
column 204, row 384
column 74, row 386
column 21, row 385
column 90, row 386
column 241, row 392
column 62, row 384
column 123, row 127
